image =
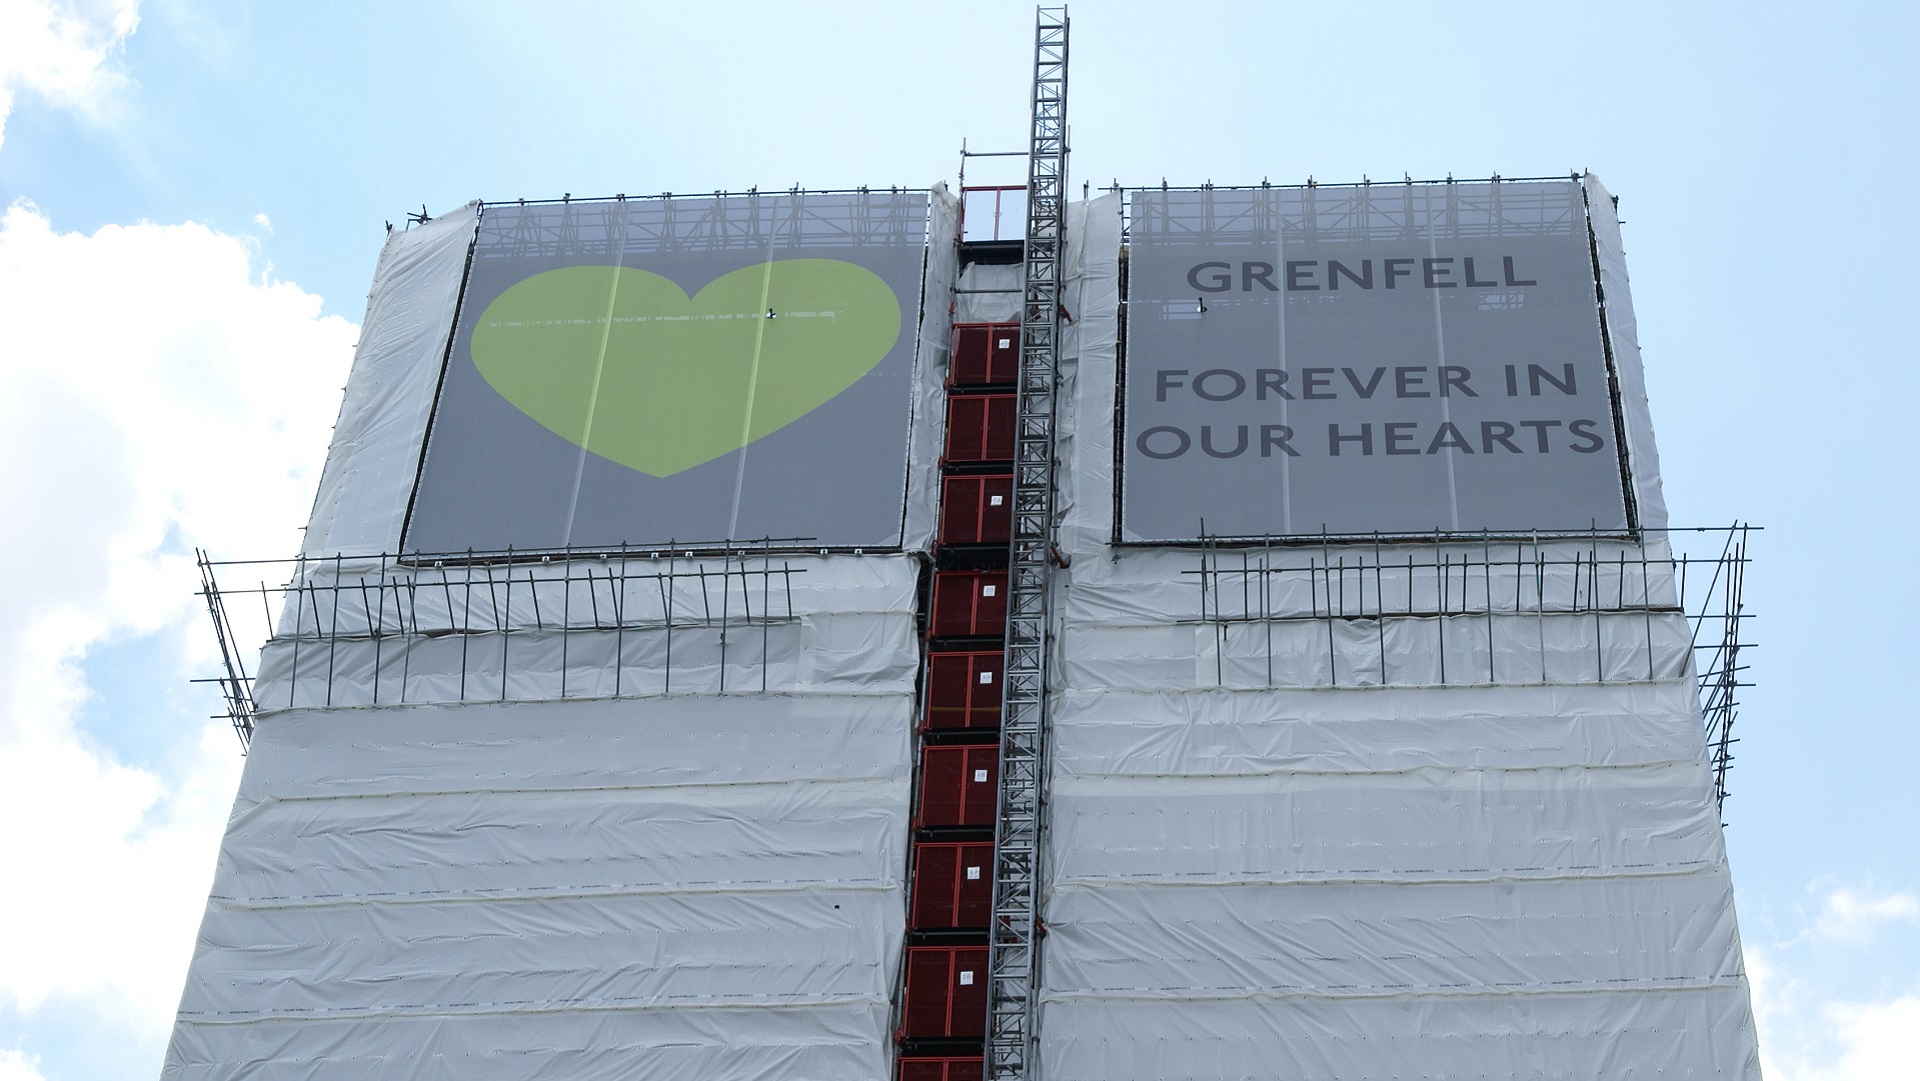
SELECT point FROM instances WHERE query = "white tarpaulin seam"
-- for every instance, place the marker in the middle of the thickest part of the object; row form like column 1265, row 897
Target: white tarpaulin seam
column 1677, row 984
column 1530, row 615
column 694, row 888
column 1312, row 880
column 267, row 801
column 671, row 696
column 1677, row 775
column 482, row 1009
column 1416, row 877
column 1400, row 771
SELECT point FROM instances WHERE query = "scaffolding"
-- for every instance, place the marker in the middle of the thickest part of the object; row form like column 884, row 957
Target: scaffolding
column 623, row 226
column 1457, row 610
column 1011, row 965
column 1383, row 210
column 347, row 631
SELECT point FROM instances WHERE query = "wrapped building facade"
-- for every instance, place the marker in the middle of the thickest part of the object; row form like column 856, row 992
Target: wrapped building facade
column 587, row 798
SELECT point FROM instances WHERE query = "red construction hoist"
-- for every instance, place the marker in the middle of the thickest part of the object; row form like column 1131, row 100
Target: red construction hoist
column 966, row 1008
column 943, row 1011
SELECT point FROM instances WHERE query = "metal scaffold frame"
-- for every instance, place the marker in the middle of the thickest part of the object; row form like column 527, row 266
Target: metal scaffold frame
column 1721, row 673
column 1628, row 591
column 236, row 686
column 348, row 631
column 1012, row 961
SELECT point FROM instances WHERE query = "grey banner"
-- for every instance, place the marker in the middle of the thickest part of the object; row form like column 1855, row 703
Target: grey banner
column 679, row 370
column 1396, row 358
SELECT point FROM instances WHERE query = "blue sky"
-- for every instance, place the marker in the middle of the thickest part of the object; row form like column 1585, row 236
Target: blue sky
column 196, row 193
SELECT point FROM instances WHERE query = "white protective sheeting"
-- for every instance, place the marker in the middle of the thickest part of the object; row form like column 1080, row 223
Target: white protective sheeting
column 1371, row 652
column 1623, row 340
column 350, row 595
column 853, row 654
column 1088, row 368
column 988, row 293
column 1290, row 835
column 1147, row 586
column 368, row 479
column 547, row 880
column 1690, row 1032
column 390, row 876
column 809, row 624
column 1355, row 938
column 1425, row 824
column 814, row 1043
column 1226, row 733
column 567, row 746
column 931, row 358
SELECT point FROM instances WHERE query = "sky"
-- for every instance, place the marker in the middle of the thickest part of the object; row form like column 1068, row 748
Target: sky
column 192, row 195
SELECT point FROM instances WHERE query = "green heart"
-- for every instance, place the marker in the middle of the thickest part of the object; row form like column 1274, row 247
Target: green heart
column 621, row 362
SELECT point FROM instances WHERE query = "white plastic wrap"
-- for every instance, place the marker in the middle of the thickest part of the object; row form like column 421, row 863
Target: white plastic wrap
column 677, row 884
column 1352, row 939
column 353, row 595
column 1425, row 824
column 1623, row 336
column 1088, row 368
column 368, row 481
column 1421, row 650
column 358, row 633
column 641, row 743
column 988, row 293
column 855, row 654
column 1698, row 1031
column 1224, row 733
column 932, row 357
column 815, row 1043
column 595, row 952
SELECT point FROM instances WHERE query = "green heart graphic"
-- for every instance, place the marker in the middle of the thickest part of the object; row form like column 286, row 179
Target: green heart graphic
column 621, row 362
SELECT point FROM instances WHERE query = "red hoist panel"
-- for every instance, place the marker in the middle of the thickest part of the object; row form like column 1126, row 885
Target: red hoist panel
column 963, row 690
column 985, row 353
column 952, row 885
column 958, row 785
column 946, row 993
column 969, row 603
column 943, row 1069
column 980, row 427
column 977, row 509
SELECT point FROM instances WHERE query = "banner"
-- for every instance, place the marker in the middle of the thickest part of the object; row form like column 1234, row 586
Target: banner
column 694, row 371
column 1392, row 358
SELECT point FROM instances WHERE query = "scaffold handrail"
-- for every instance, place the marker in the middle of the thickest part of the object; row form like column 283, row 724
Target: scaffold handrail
column 388, row 608
column 1460, row 584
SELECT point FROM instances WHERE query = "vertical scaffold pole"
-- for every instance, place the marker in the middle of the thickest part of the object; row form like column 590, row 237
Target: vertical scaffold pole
column 1012, row 966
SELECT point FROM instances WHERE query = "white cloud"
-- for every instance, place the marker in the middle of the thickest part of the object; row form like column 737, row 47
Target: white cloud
column 1847, row 916
column 1802, row 1040
column 1882, row 1039
column 157, row 392
column 62, row 50
column 1808, row 1033
column 15, row 1066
